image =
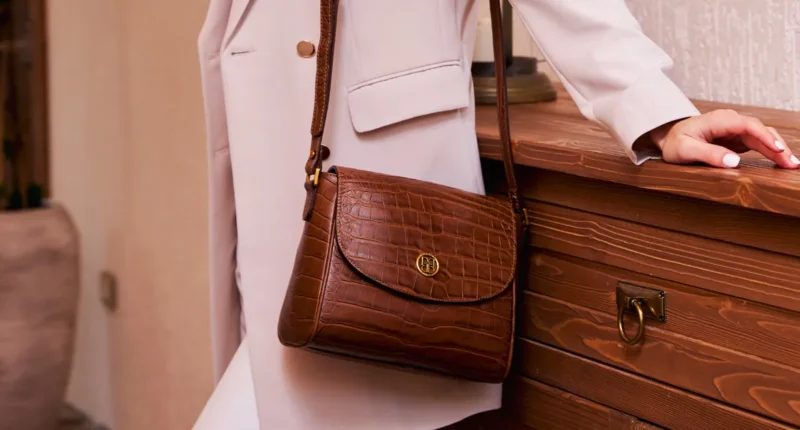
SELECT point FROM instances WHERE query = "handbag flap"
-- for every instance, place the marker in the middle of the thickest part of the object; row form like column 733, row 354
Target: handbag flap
column 425, row 240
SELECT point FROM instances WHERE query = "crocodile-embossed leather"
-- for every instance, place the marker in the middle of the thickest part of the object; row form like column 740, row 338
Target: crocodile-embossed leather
column 300, row 309
column 383, row 223
column 459, row 322
column 357, row 289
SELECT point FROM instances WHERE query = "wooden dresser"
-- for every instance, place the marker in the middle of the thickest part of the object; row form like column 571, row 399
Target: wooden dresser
column 718, row 249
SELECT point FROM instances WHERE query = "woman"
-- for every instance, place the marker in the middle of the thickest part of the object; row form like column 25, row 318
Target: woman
column 400, row 104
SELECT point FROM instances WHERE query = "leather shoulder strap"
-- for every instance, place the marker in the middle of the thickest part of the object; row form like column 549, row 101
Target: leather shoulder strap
column 328, row 13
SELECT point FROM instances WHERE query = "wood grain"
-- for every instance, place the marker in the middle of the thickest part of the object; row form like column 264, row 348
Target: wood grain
column 723, row 244
column 554, row 136
column 740, row 379
column 763, row 331
column 747, row 273
column 632, row 394
column 543, row 407
column 758, row 229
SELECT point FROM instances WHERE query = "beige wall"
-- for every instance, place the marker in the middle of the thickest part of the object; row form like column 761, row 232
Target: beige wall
column 87, row 138
column 129, row 162
column 735, row 51
column 163, row 359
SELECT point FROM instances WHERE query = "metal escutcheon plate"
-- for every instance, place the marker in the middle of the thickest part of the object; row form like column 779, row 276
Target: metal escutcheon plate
column 655, row 301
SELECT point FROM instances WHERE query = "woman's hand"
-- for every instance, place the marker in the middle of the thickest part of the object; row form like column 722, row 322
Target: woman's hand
column 715, row 138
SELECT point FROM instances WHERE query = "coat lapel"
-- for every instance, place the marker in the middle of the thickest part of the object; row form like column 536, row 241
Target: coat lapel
column 238, row 11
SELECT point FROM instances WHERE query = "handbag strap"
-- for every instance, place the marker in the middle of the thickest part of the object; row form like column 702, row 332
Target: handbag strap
column 328, row 14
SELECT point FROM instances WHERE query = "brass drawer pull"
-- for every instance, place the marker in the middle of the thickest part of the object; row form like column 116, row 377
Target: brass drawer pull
column 644, row 302
column 621, row 323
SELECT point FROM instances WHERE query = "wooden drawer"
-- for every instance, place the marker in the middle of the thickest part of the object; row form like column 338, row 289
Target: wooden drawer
column 722, row 244
column 739, row 271
column 728, row 355
column 541, row 406
column 712, row 347
column 745, row 330
column 535, row 405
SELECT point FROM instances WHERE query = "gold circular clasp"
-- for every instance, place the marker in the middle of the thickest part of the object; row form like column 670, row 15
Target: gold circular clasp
column 427, row 264
column 621, row 323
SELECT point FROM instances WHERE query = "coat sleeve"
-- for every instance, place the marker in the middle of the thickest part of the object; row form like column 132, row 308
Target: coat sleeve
column 614, row 72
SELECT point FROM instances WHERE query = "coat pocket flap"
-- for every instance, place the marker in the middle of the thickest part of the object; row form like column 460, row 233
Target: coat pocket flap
column 434, row 243
column 402, row 96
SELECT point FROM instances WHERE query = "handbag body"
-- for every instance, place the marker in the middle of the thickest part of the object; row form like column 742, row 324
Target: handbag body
column 400, row 271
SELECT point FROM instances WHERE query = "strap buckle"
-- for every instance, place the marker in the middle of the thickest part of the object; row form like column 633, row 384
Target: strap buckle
column 313, row 179
column 520, row 208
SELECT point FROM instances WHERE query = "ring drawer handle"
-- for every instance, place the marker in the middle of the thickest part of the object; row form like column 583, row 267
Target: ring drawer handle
column 644, row 302
column 621, row 323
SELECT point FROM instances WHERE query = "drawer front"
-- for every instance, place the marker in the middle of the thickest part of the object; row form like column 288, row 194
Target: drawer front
column 713, row 265
column 748, row 227
column 742, row 326
column 626, row 392
column 536, row 405
column 730, row 350
column 533, row 405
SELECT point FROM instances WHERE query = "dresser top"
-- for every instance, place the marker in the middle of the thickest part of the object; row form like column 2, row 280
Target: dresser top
column 555, row 136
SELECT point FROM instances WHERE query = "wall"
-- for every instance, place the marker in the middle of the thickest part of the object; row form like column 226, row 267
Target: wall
column 160, row 334
column 87, row 138
column 128, row 160
column 735, row 51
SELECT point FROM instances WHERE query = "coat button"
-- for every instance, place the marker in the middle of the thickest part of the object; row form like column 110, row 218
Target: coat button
column 306, row 49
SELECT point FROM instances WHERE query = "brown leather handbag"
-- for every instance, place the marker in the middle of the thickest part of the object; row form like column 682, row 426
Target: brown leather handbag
column 401, row 271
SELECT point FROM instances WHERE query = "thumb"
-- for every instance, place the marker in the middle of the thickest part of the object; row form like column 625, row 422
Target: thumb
column 694, row 150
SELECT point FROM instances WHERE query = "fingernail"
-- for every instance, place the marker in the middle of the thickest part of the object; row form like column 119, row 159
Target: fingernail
column 794, row 159
column 731, row 160
column 780, row 145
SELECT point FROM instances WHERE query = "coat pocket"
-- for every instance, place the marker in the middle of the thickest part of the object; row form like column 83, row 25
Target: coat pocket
column 403, row 96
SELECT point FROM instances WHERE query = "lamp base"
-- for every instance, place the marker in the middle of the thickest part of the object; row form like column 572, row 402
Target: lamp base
column 525, row 83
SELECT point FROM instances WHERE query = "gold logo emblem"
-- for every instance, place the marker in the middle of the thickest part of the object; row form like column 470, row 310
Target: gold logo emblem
column 428, row 265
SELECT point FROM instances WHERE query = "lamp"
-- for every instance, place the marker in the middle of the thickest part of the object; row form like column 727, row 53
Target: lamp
column 526, row 84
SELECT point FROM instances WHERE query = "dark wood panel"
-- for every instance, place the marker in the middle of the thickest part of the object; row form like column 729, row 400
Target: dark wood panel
column 528, row 405
column 759, row 229
column 752, row 328
column 734, row 270
column 743, row 380
column 553, row 137
column 657, row 403
column 492, row 420
column 543, row 407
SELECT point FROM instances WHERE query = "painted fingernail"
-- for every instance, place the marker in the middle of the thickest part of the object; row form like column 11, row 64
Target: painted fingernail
column 780, row 145
column 794, row 159
column 731, row 160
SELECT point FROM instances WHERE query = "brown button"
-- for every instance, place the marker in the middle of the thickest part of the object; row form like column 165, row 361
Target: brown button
column 306, row 49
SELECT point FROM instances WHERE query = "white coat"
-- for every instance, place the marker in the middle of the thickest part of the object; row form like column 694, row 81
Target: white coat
column 401, row 103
